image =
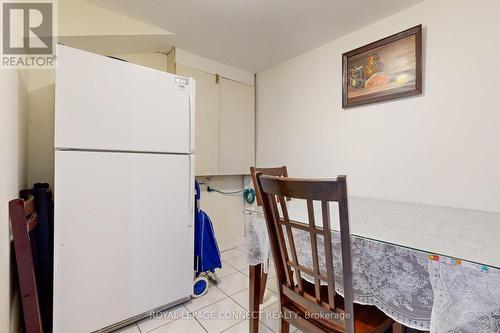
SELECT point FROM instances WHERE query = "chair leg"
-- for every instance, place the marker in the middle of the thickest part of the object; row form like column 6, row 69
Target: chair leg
column 285, row 326
column 254, row 301
column 263, row 283
column 398, row 328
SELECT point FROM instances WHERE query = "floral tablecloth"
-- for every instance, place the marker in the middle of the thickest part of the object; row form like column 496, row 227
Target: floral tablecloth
column 439, row 294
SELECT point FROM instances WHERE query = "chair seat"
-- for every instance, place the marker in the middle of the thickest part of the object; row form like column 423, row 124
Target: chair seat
column 367, row 318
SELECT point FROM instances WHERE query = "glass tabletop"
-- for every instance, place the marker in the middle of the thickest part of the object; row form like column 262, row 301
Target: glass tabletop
column 468, row 235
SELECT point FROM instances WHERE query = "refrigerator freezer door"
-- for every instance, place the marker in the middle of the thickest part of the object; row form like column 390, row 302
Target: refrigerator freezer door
column 108, row 104
column 123, row 236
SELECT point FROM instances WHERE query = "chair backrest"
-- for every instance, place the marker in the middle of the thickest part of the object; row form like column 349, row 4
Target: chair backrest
column 289, row 270
column 24, row 221
column 276, row 171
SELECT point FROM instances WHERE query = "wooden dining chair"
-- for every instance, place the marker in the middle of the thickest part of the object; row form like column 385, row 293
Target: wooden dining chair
column 314, row 307
column 276, row 171
column 24, row 221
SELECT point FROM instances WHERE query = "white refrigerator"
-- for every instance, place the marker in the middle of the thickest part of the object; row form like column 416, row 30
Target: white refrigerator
column 124, row 182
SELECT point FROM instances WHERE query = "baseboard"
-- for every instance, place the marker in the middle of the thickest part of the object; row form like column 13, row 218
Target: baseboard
column 232, row 244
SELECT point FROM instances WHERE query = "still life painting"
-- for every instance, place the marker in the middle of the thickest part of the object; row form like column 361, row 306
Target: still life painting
column 386, row 69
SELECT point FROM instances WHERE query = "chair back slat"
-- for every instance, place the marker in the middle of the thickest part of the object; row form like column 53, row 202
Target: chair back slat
column 325, row 212
column 291, row 243
column 314, row 251
column 280, row 241
column 321, row 189
column 276, row 171
column 292, row 292
column 24, row 221
column 345, row 244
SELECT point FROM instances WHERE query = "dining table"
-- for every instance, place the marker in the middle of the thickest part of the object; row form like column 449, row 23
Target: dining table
column 427, row 267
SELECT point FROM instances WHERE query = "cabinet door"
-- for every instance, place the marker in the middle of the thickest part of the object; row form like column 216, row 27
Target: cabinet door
column 207, row 120
column 237, row 127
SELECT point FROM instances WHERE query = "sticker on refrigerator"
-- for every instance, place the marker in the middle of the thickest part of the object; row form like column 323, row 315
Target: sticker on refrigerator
column 182, row 82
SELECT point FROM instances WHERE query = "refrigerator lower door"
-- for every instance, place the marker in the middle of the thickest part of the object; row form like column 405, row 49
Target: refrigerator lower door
column 123, row 236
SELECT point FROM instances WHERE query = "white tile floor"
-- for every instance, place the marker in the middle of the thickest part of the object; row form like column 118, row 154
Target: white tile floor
column 221, row 309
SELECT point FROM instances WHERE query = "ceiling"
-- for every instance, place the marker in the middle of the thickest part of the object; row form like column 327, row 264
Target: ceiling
column 255, row 34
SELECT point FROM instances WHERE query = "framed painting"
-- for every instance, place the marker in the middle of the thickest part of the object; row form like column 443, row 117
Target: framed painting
column 383, row 70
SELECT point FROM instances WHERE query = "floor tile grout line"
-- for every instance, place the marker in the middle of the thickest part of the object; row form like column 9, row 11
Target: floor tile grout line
column 154, row 329
column 269, row 277
column 225, row 262
column 240, row 307
column 213, row 286
column 165, row 323
column 237, row 271
column 227, row 296
column 260, row 309
column 236, row 300
column 222, row 291
column 269, row 328
column 260, row 321
column 227, row 329
column 242, row 254
column 203, row 327
column 181, row 318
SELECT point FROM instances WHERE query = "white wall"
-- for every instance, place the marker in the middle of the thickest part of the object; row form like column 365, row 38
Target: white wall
column 81, row 18
column 225, row 211
column 440, row 148
column 41, row 126
column 13, row 109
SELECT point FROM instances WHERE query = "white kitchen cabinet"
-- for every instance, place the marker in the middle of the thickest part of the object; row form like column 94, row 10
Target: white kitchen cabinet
column 225, row 124
column 207, row 120
column 237, row 127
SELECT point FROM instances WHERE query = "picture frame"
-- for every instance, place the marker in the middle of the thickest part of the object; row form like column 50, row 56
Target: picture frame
column 386, row 69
